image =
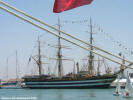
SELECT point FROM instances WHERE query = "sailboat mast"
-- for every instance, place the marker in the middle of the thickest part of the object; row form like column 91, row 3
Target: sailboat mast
column 16, row 66
column 39, row 58
column 59, row 52
column 90, row 67
column 7, row 68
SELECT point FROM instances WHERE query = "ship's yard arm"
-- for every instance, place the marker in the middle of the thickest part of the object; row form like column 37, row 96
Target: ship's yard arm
column 37, row 25
column 42, row 22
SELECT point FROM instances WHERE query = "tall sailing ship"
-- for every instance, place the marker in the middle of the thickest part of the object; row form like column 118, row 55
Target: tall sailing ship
column 81, row 79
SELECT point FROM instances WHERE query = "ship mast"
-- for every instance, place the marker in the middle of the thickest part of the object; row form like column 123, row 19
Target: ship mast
column 39, row 63
column 98, row 66
column 59, row 55
column 123, row 67
column 91, row 56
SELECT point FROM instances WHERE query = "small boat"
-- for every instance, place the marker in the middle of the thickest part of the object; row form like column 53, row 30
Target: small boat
column 11, row 85
column 14, row 84
column 118, row 87
column 128, row 93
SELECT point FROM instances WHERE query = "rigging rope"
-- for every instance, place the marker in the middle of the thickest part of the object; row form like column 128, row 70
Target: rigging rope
column 37, row 25
column 7, row 5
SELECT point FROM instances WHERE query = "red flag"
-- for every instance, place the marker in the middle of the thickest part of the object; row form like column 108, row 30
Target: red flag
column 63, row 5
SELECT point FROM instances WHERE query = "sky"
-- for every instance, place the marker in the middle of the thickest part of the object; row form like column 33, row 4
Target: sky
column 113, row 16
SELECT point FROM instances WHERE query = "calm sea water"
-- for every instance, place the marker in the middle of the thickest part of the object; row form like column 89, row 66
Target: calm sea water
column 61, row 94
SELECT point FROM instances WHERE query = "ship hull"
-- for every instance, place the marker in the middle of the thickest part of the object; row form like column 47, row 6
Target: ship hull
column 69, row 87
column 99, row 82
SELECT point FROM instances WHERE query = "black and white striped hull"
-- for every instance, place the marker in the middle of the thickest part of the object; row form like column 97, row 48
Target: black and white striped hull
column 71, row 84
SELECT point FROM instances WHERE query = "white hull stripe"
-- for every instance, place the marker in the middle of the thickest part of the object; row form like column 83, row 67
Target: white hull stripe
column 74, row 85
column 59, row 82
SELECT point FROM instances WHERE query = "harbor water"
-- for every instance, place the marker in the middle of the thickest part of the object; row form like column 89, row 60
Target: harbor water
column 59, row 94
